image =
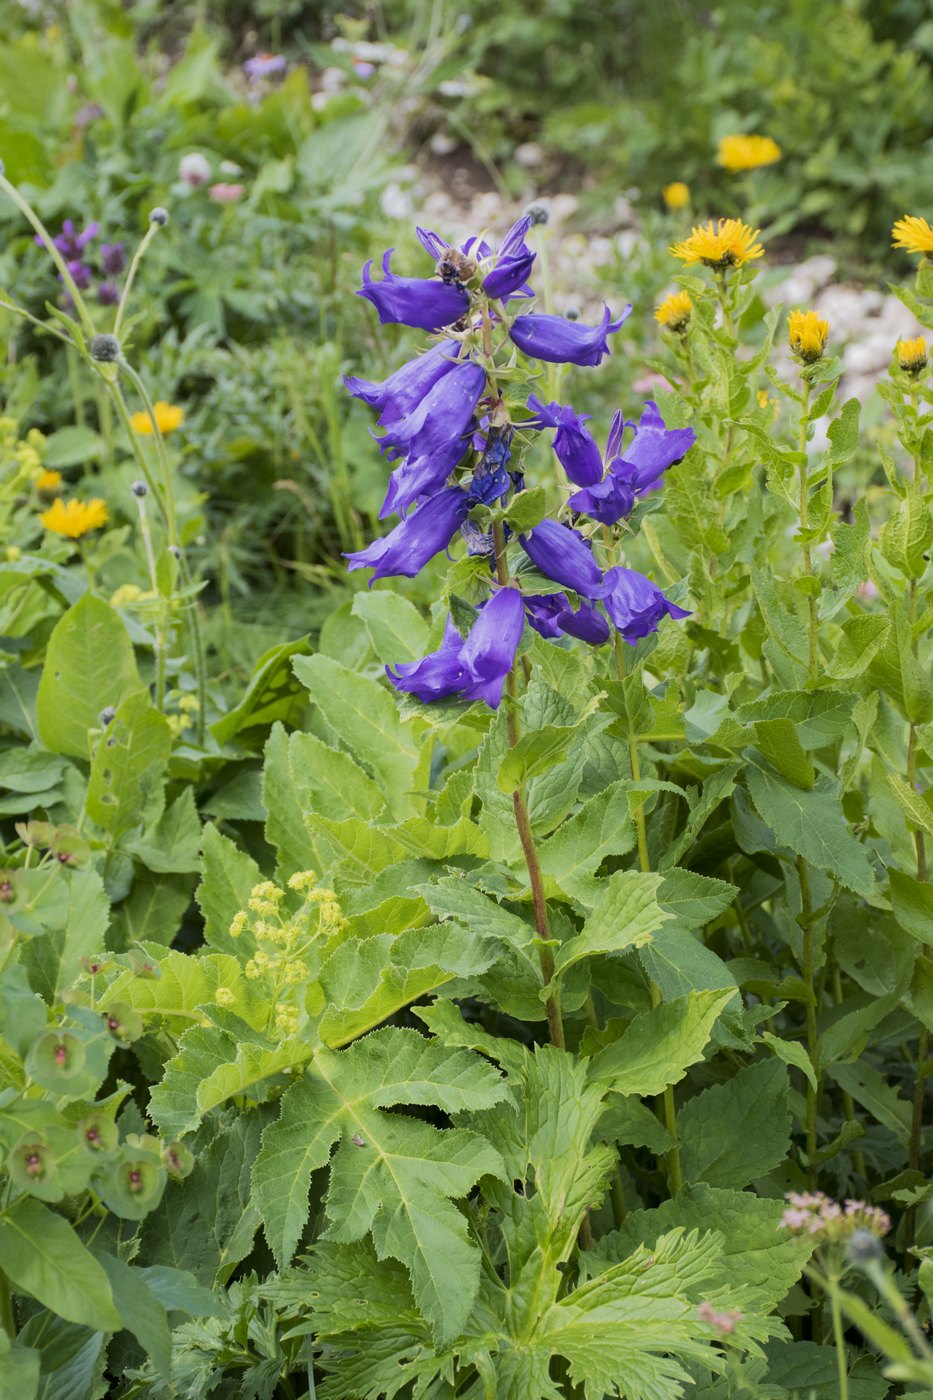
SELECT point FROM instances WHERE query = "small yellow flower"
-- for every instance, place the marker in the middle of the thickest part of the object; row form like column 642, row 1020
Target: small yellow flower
column 747, row 152
column 913, row 234
column 48, row 481
column 224, row 997
column 168, row 417
column 912, row 355
column 727, row 243
column 675, row 311
column 238, row 925
column 302, row 880
column 286, row 1019
column 74, row 518
column 808, row 333
column 676, row 195
column 764, row 398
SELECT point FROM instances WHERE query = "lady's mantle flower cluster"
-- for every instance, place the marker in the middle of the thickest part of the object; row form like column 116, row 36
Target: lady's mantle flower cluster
column 451, row 438
column 813, row 1213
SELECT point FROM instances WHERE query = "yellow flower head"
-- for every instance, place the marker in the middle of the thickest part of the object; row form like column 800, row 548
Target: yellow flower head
column 725, row 243
column 912, row 355
column 168, row 417
column 747, row 152
column 913, row 234
column 48, row 482
column 676, row 195
column 764, row 398
column 224, row 997
column 74, row 518
column 807, row 333
column 675, row 311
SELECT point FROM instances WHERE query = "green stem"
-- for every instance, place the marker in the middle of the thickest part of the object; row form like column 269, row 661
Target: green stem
column 161, row 452
column 842, row 1369
column 813, row 622
column 803, row 875
column 7, row 1316
column 161, row 640
column 131, row 275
column 71, row 360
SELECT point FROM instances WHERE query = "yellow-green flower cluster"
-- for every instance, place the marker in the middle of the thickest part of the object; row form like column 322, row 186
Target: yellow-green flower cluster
column 24, row 454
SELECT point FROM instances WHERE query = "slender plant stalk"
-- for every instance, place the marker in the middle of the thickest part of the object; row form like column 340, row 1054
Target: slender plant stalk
column 812, row 620
column 7, row 1318
column 813, row 1091
column 842, row 1369
column 143, row 244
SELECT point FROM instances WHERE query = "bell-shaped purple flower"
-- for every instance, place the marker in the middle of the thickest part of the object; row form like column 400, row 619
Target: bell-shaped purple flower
column 563, row 555
column 513, row 263
column 574, row 445
column 552, row 616
column 654, row 448
column 608, row 501
column 423, row 302
column 635, row 604
column 406, row 549
column 474, row 669
column 403, row 391
column 432, row 438
column 563, row 342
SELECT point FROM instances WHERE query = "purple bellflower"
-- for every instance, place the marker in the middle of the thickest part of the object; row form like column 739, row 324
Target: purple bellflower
column 563, row 342
column 552, row 616
column 474, row 669
column 416, row 540
column 426, row 303
column 637, row 470
column 574, row 445
column 635, row 604
column 491, row 480
column 432, row 439
column 563, row 555
column 511, row 262
column 404, row 390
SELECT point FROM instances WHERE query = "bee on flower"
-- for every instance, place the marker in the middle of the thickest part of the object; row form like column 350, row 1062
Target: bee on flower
column 674, row 312
column 912, row 355
column 168, row 417
column 913, row 234
column 720, row 245
column 740, row 153
column 74, row 519
column 808, row 332
column 676, row 195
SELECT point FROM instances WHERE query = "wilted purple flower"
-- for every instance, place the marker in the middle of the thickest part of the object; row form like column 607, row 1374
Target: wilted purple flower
column 426, row 303
column 635, row 604
column 112, row 258
column 404, row 390
column 491, row 480
column 573, row 443
column 417, row 539
column 478, row 540
column 563, row 555
column 563, row 342
column 814, row 1213
column 474, row 669
column 552, row 616
column 108, row 294
column 432, row 438
column 265, row 65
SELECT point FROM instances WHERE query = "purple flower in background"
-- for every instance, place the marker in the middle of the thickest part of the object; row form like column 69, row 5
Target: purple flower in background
column 563, row 342
column 573, row 443
column 81, row 274
column 635, row 604
column 112, row 258
column 108, row 294
column 423, row 302
column 403, row 391
column 551, row 616
column 563, row 555
column 69, row 242
column 265, row 65
column 432, row 439
column 474, row 669
column 417, row 539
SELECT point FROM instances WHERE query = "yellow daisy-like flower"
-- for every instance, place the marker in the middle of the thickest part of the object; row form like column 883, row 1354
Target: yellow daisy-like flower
column 725, row 243
column 912, row 355
column 747, row 152
column 913, row 234
column 73, row 519
column 48, row 481
column 676, row 195
column 168, row 417
column 808, row 332
column 675, row 311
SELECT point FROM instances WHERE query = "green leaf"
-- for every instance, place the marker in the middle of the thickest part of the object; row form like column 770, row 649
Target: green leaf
column 792, row 1053
column 602, row 827
column 526, row 510
column 19, row 1369
column 534, row 754
column 812, row 825
column 912, row 902
column 694, row 900
column 862, row 639
column 229, row 876
column 273, row 694
column 777, row 740
column 76, row 912
column 915, row 809
column 172, row 846
column 140, row 1309
column 127, row 770
column 89, row 665
column 626, row 915
column 391, row 1175
column 659, row 1046
column 43, row 1256
column 843, row 433
column 733, row 1132
column 396, row 628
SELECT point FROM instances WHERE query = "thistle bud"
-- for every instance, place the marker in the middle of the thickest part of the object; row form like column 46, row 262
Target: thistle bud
column 538, row 214
column 105, row 349
column 139, row 488
column 864, row 1248
column 159, row 216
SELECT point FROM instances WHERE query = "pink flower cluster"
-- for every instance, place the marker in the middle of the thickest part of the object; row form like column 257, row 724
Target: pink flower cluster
column 813, row 1213
column 724, row 1322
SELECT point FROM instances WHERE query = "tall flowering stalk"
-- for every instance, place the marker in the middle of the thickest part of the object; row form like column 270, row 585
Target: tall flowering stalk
column 458, row 423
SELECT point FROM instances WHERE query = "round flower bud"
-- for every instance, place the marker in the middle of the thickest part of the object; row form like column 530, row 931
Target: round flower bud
column 133, row 1187
column 98, row 1133
column 105, row 349
column 123, row 1023
column 864, row 1248
column 538, row 214
column 31, row 1165
column 107, row 716
column 159, row 216
column 178, row 1159
column 139, row 488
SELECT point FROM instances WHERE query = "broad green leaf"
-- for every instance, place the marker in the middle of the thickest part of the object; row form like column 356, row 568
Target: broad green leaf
column 659, row 1046
column 694, row 900
column 626, row 915
column 152, row 911
column 273, row 694
column 396, row 629
column 912, row 902
column 678, row 962
column 127, row 770
column 812, row 825
column 229, row 876
column 862, row 639
column 733, row 1132
column 89, row 665
column 74, row 909
column 915, row 809
column 43, row 1256
column 183, row 984
column 818, row 716
column 777, row 740
column 140, row 1309
column 792, row 1053
column 28, row 770
column 534, row 754
column 172, row 846
column 715, row 790
column 602, row 827
column 19, row 1369
column 391, row 1175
